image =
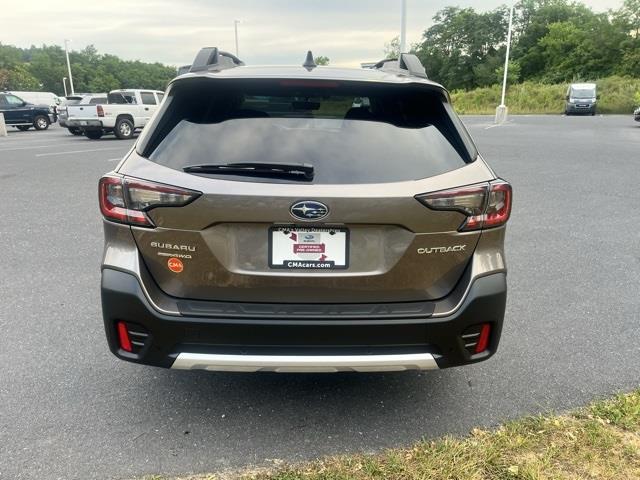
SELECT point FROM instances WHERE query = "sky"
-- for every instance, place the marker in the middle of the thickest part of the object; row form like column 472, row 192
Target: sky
column 270, row 31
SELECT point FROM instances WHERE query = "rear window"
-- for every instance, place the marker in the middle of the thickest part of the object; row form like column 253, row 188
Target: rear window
column 148, row 98
column 73, row 101
column 122, row 98
column 349, row 132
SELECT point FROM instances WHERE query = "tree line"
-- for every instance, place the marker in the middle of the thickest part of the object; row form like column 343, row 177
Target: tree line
column 553, row 41
column 42, row 69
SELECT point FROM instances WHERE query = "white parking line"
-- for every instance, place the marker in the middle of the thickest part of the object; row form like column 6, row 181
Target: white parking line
column 77, row 151
column 37, row 146
column 114, row 159
column 508, row 123
column 29, row 138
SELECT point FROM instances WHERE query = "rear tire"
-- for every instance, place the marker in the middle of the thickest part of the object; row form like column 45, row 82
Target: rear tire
column 124, row 129
column 74, row 131
column 23, row 128
column 93, row 134
column 41, row 122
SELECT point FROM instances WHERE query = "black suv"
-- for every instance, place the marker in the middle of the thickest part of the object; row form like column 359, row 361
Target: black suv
column 23, row 115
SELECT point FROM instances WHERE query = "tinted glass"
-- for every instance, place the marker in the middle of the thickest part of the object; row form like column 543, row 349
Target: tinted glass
column 148, row 98
column 159, row 95
column 97, row 100
column 122, row 98
column 71, row 100
column 583, row 93
column 13, row 100
column 350, row 133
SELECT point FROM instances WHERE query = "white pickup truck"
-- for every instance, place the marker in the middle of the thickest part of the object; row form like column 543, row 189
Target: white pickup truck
column 125, row 112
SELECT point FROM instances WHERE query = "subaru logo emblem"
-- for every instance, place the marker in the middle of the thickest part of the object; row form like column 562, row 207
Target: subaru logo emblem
column 309, row 210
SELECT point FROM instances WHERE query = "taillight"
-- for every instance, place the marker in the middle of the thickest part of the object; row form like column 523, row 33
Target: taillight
column 100, row 111
column 499, row 204
column 486, row 205
column 126, row 200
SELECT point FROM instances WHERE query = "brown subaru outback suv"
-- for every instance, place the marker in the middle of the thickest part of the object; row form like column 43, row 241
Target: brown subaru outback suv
column 303, row 219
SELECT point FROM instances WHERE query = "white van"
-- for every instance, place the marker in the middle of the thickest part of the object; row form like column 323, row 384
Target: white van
column 39, row 98
column 581, row 98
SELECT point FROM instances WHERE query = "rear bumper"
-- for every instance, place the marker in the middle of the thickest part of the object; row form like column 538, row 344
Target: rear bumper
column 85, row 124
column 580, row 108
column 312, row 344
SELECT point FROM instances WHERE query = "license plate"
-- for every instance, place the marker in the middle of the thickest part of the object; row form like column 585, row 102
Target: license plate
column 82, row 122
column 308, row 248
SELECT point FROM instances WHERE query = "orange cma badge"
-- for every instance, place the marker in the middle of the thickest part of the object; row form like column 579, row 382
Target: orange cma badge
column 175, row 265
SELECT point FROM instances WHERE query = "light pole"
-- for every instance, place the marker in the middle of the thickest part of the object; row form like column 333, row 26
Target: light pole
column 501, row 110
column 64, row 84
column 235, row 26
column 403, row 27
column 66, row 51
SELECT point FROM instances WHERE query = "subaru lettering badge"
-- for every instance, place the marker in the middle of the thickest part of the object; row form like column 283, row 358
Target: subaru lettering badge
column 309, row 210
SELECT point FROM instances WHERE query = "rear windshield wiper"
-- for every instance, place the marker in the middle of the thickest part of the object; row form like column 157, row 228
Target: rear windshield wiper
column 297, row 171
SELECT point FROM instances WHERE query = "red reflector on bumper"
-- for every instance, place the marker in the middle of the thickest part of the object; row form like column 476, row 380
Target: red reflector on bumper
column 123, row 337
column 483, row 341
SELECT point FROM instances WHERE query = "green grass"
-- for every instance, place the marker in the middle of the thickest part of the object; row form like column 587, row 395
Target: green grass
column 599, row 442
column 617, row 95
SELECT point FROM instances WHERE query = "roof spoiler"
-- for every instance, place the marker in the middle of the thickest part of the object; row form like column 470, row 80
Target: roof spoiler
column 210, row 58
column 408, row 63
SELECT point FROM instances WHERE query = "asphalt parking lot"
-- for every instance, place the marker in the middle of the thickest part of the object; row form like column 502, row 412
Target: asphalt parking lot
column 70, row 410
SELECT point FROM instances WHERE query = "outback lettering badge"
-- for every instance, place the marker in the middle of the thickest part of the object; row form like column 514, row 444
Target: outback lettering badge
column 452, row 248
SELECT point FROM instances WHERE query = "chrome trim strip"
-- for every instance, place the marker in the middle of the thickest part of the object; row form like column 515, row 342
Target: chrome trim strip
column 153, row 304
column 306, row 363
column 174, row 313
column 471, row 335
column 464, row 296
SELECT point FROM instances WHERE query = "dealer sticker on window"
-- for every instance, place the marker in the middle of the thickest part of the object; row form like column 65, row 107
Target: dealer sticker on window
column 308, row 248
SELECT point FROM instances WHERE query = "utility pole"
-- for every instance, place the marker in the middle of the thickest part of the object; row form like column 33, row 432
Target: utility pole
column 64, row 84
column 66, row 51
column 235, row 26
column 403, row 28
column 501, row 110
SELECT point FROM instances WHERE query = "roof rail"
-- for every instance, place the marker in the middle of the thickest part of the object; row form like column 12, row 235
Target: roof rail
column 210, row 58
column 408, row 63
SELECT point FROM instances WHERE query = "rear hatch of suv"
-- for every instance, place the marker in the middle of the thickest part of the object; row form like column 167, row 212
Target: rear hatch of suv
column 332, row 211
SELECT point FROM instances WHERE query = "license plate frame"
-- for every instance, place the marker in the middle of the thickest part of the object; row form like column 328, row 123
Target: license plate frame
column 306, row 253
